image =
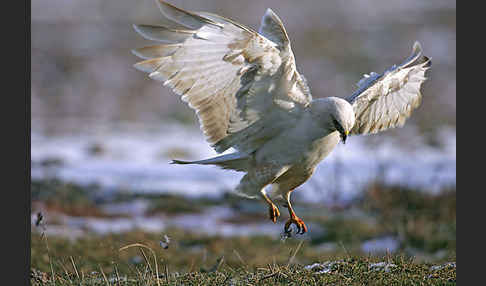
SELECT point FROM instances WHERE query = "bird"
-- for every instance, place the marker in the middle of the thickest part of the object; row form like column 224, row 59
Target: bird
column 251, row 101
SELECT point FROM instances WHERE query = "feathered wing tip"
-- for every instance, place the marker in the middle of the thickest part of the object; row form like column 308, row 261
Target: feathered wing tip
column 416, row 58
column 163, row 34
column 158, row 51
column 273, row 29
column 416, row 53
column 183, row 17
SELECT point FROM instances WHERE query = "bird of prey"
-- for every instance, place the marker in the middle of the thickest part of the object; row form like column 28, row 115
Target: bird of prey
column 248, row 95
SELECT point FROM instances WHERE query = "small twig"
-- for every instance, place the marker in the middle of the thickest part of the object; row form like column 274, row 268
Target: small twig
column 167, row 274
column 50, row 261
column 295, row 253
column 218, row 264
column 138, row 272
column 117, row 275
column 65, row 271
column 153, row 253
column 345, row 250
column 204, row 256
column 192, row 265
column 268, row 276
column 239, row 257
column 145, row 271
column 104, row 276
column 230, row 268
column 74, row 266
column 145, row 258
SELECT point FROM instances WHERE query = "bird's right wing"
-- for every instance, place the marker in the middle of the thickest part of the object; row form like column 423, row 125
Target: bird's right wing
column 244, row 87
column 386, row 100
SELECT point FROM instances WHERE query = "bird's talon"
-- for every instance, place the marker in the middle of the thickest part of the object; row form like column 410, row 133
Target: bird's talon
column 274, row 213
column 299, row 223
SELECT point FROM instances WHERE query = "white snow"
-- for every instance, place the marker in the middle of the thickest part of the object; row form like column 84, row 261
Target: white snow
column 139, row 162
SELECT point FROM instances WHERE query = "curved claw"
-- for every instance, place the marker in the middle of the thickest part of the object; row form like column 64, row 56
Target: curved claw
column 301, row 227
column 273, row 212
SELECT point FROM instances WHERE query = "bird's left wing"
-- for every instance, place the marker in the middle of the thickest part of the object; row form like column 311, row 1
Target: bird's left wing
column 386, row 100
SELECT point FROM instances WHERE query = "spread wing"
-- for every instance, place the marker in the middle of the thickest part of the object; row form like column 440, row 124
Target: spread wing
column 386, row 100
column 244, row 86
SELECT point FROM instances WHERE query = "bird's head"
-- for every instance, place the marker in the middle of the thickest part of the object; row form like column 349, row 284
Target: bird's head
column 336, row 114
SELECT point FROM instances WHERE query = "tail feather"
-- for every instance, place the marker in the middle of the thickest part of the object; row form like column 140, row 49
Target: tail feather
column 234, row 161
column 181, row 162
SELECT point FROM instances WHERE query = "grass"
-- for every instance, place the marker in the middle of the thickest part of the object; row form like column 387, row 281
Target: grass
column 422, row 220
column 104, row 262
column 197, row 259
column 67, row 198
column 424, row 224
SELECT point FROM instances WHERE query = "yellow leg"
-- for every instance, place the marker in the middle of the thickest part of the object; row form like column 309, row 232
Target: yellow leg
column 294, row 219
column 272, row 208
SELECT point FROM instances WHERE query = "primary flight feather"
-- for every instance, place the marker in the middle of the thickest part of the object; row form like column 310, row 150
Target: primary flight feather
column 248, row 95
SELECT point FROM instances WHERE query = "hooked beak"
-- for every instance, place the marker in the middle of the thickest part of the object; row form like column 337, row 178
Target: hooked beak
column 344, row 135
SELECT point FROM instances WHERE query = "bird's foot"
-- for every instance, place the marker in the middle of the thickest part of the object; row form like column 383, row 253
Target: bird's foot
column 273, row 212
column 301, row 227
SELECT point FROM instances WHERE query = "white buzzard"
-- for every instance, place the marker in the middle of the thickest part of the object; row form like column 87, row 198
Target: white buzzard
column 248, row 95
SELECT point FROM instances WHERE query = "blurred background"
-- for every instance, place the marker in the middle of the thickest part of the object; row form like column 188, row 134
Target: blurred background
column 103, row 134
